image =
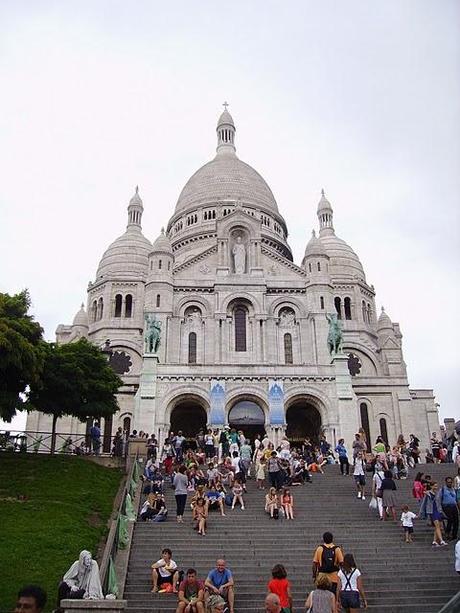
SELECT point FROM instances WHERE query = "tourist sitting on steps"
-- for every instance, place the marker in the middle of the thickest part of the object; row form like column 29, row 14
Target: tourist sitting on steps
column 271, row 502
column 237, row 491
column 215, row 497
column 82, row 580
column 165, row 572
column 327, row 560
column 219, row 582
column 200, row 516
column 191, row 594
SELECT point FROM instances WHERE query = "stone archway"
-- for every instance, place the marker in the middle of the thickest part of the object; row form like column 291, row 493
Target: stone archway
column 248, row 416
column 189, row 416
column 303, row 420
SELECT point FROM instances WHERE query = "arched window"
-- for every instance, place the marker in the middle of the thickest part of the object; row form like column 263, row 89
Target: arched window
column 127, row 426
column 309, row 266
column 321, row 302
column 160, row 264
column 383, row 429
column 94, row 311
column 192, row 348
column 118, row 301
column 128, row 305
column 318, row 265
column 288, row 349
column 364, row 312
column 365, row 424
column 100, row 308
column 158, row 300
column 369, row 313
column 240, row 328
column 347, row 307
column 338, row 306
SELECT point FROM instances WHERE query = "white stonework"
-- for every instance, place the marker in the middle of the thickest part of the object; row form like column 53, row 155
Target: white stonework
column 236, row 309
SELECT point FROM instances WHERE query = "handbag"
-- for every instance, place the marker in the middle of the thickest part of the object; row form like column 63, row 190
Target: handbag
column 373, row 505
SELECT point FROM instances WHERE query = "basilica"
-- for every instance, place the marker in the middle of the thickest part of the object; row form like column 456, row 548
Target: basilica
column 241, row 330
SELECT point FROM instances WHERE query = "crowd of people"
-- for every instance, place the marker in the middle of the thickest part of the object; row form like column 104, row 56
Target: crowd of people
column 212, row 474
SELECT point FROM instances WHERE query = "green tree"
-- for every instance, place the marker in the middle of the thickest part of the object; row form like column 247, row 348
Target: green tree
column 77, row 381
column 21, row 355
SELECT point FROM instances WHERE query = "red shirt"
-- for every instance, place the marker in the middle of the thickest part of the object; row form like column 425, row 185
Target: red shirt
column 280, row 587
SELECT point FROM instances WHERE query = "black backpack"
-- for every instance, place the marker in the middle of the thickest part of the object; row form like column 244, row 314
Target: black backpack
column 276, row 513
column 328, row 560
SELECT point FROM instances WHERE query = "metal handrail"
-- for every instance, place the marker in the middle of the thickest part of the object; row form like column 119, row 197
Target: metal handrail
column 453, row 606
column 113, row 544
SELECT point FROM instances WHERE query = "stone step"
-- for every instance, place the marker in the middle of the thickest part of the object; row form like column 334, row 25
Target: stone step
column 398, row 577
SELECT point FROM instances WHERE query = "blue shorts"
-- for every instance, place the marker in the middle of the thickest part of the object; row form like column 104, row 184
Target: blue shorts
column 360, row 479
column 349, row 599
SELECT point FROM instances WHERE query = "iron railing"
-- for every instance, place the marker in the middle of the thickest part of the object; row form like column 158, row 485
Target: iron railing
column 28, row 441
column 118, row 538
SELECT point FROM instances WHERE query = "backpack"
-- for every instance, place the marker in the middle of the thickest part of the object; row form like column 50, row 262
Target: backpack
column 276, row 513
column 328, row 560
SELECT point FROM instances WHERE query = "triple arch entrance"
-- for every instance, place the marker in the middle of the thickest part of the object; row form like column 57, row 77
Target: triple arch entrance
column 303, row 420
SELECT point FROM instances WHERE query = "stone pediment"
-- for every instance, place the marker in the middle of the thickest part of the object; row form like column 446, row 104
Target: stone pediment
column 202, row 265
column 276, row 266
column 390, row 343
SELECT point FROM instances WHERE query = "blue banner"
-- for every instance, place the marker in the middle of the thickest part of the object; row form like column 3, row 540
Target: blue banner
column 217, row 398
column 276, row 402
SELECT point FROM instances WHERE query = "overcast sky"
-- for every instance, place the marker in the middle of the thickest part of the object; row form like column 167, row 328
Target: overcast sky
column 361, row 98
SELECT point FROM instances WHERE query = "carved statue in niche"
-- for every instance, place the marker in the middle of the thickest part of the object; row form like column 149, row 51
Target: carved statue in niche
column 287, row 318
column 192, row 316
column 239, row 256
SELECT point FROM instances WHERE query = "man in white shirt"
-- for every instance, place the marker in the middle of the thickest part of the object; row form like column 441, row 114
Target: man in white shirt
column 359, row 474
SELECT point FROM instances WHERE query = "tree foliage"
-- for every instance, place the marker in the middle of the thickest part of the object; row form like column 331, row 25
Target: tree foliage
column 77, row 381
column 21, row 352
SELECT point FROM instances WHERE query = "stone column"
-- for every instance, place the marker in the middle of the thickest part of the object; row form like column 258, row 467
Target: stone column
column 144, row 414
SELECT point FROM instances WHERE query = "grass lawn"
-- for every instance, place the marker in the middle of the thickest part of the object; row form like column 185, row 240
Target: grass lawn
column 69, row 501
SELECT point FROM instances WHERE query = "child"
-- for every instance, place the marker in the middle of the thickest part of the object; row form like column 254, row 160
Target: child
column 407, row 520
column 280, row 586
column 237, row 490
column 287, row 502
column 271, row 501
column 260, row 474
column 213, row 475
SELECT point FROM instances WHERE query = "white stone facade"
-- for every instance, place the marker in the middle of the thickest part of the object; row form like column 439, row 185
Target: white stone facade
column 239, row 316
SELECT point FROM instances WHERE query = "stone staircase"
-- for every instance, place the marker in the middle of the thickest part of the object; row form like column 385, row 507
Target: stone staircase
column 398, row 577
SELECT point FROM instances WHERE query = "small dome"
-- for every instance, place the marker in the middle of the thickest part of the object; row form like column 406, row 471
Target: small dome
column 127, row 257
column 225, row 118
column 136, row 199
column 341, row 255
column 315, row 246
column 81, row 318
column 384, row 322
column 162, row 243
column 324, row 204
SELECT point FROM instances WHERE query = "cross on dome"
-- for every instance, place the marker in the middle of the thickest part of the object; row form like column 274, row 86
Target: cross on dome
column 225, row 104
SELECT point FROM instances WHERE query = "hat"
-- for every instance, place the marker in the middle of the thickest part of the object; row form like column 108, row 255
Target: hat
column 226, row 427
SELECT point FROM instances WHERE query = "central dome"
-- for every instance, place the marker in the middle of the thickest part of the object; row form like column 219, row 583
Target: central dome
column 226, row 178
